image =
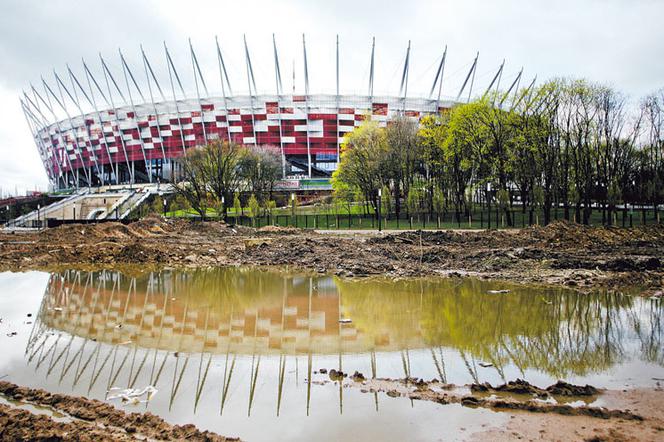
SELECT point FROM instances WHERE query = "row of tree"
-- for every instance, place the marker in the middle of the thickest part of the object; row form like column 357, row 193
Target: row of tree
column 567, row 143
column 213, row 176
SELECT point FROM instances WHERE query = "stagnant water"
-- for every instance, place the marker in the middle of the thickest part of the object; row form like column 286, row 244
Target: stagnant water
column 235, row 350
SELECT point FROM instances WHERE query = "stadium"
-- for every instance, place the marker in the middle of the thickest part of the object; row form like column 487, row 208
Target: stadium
column 100, row 130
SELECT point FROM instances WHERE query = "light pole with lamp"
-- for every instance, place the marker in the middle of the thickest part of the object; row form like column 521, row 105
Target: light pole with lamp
column 38, row 216
column 292, row 199
column 488, row 203
column 380, row 207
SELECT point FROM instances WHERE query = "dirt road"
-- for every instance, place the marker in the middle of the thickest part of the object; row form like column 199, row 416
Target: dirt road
column 561, row 253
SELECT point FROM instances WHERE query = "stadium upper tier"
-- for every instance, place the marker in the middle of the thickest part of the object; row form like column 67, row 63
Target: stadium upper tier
column 93, row 131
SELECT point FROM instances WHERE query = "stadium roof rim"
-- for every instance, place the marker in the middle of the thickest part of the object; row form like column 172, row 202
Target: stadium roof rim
column 121, row 87
column 94, row 130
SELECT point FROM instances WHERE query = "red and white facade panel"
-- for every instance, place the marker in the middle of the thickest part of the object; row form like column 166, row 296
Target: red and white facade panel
column 131, row 139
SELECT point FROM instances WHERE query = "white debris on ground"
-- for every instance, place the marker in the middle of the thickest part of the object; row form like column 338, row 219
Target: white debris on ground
column 132, row 396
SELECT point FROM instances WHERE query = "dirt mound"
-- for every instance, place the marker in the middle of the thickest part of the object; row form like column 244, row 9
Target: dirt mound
column 520, row 386
column 568, row 234
column 91, row 420
column 562, row 388
column 279, row 230
column 428, row 238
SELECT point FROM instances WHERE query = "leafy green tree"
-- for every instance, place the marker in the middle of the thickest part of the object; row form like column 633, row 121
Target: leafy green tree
column 343, row 195
column 254, row 208
column 157, row 206
column 403, row 155
column 386, row 201
column 237, row 205
column 413, row 201
column 364, row 160
column 537, row 202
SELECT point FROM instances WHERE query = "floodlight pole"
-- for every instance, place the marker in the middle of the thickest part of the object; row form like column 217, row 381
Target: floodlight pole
column 89, row 76
column 126, row 72
column 197, row 70
column 250, row 81
column 148, row 71
column 337, row 102
column 306, row 103
column 371, row 72
column 223, row 74
column 279, row 89
column 63, row 104
column 404, row 79
column 439, row 79
column 107, row 74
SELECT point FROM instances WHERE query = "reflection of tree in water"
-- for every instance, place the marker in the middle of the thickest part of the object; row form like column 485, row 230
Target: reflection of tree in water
column 554, row 330
column 168, row 328
column 557, row 331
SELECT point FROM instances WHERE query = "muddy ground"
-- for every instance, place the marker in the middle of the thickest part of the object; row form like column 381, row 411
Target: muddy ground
column 561, row 253
column 559, row 412
column 30, row 414
column 566, row 254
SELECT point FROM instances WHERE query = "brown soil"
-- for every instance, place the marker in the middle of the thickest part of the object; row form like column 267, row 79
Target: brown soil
column 627, row 415
column 561, row 253
column 84, row 419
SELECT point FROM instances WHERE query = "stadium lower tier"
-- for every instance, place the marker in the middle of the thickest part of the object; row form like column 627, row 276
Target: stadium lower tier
column 141, row 143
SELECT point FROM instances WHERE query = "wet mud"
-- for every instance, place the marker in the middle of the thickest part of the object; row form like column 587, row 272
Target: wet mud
column 85, row 419
column 541, row 413
column 562, row 253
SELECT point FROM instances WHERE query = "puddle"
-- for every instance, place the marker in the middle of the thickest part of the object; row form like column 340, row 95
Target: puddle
column 237, row 350
column 36, row 409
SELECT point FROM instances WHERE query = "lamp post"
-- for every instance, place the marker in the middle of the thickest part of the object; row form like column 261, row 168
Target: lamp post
column 488, row 203
column 223, row 206
column 38, row 216
column 163, row 200
column 380, row 215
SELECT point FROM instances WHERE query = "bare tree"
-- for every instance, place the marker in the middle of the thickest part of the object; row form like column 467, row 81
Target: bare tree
column 260, row 168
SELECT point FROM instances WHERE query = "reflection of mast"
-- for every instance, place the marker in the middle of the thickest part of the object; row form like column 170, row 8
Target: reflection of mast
column 473, row 370
column 79, row 353
column 227, row 374
column 114, row 377
column 440, row 365
column 155, row 378
column 254, row 374
column 176, row 385
column 94, row 378
column 131, row 381
column 36, row 336
column 282, row 356
column 341, row 380
column 373, row 374
column 80, row 370
column 65, row 366
column 200, row 383
column 309, row 358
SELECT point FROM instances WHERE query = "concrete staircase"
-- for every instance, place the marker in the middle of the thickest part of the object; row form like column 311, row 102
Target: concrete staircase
column 88, row 205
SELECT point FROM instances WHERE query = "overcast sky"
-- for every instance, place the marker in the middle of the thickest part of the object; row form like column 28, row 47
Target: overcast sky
column 619, row 43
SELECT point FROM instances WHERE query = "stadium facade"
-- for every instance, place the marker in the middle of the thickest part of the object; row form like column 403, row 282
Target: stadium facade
column 106, row 129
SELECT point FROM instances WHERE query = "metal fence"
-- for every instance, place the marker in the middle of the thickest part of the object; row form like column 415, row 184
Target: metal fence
column 477, row 220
